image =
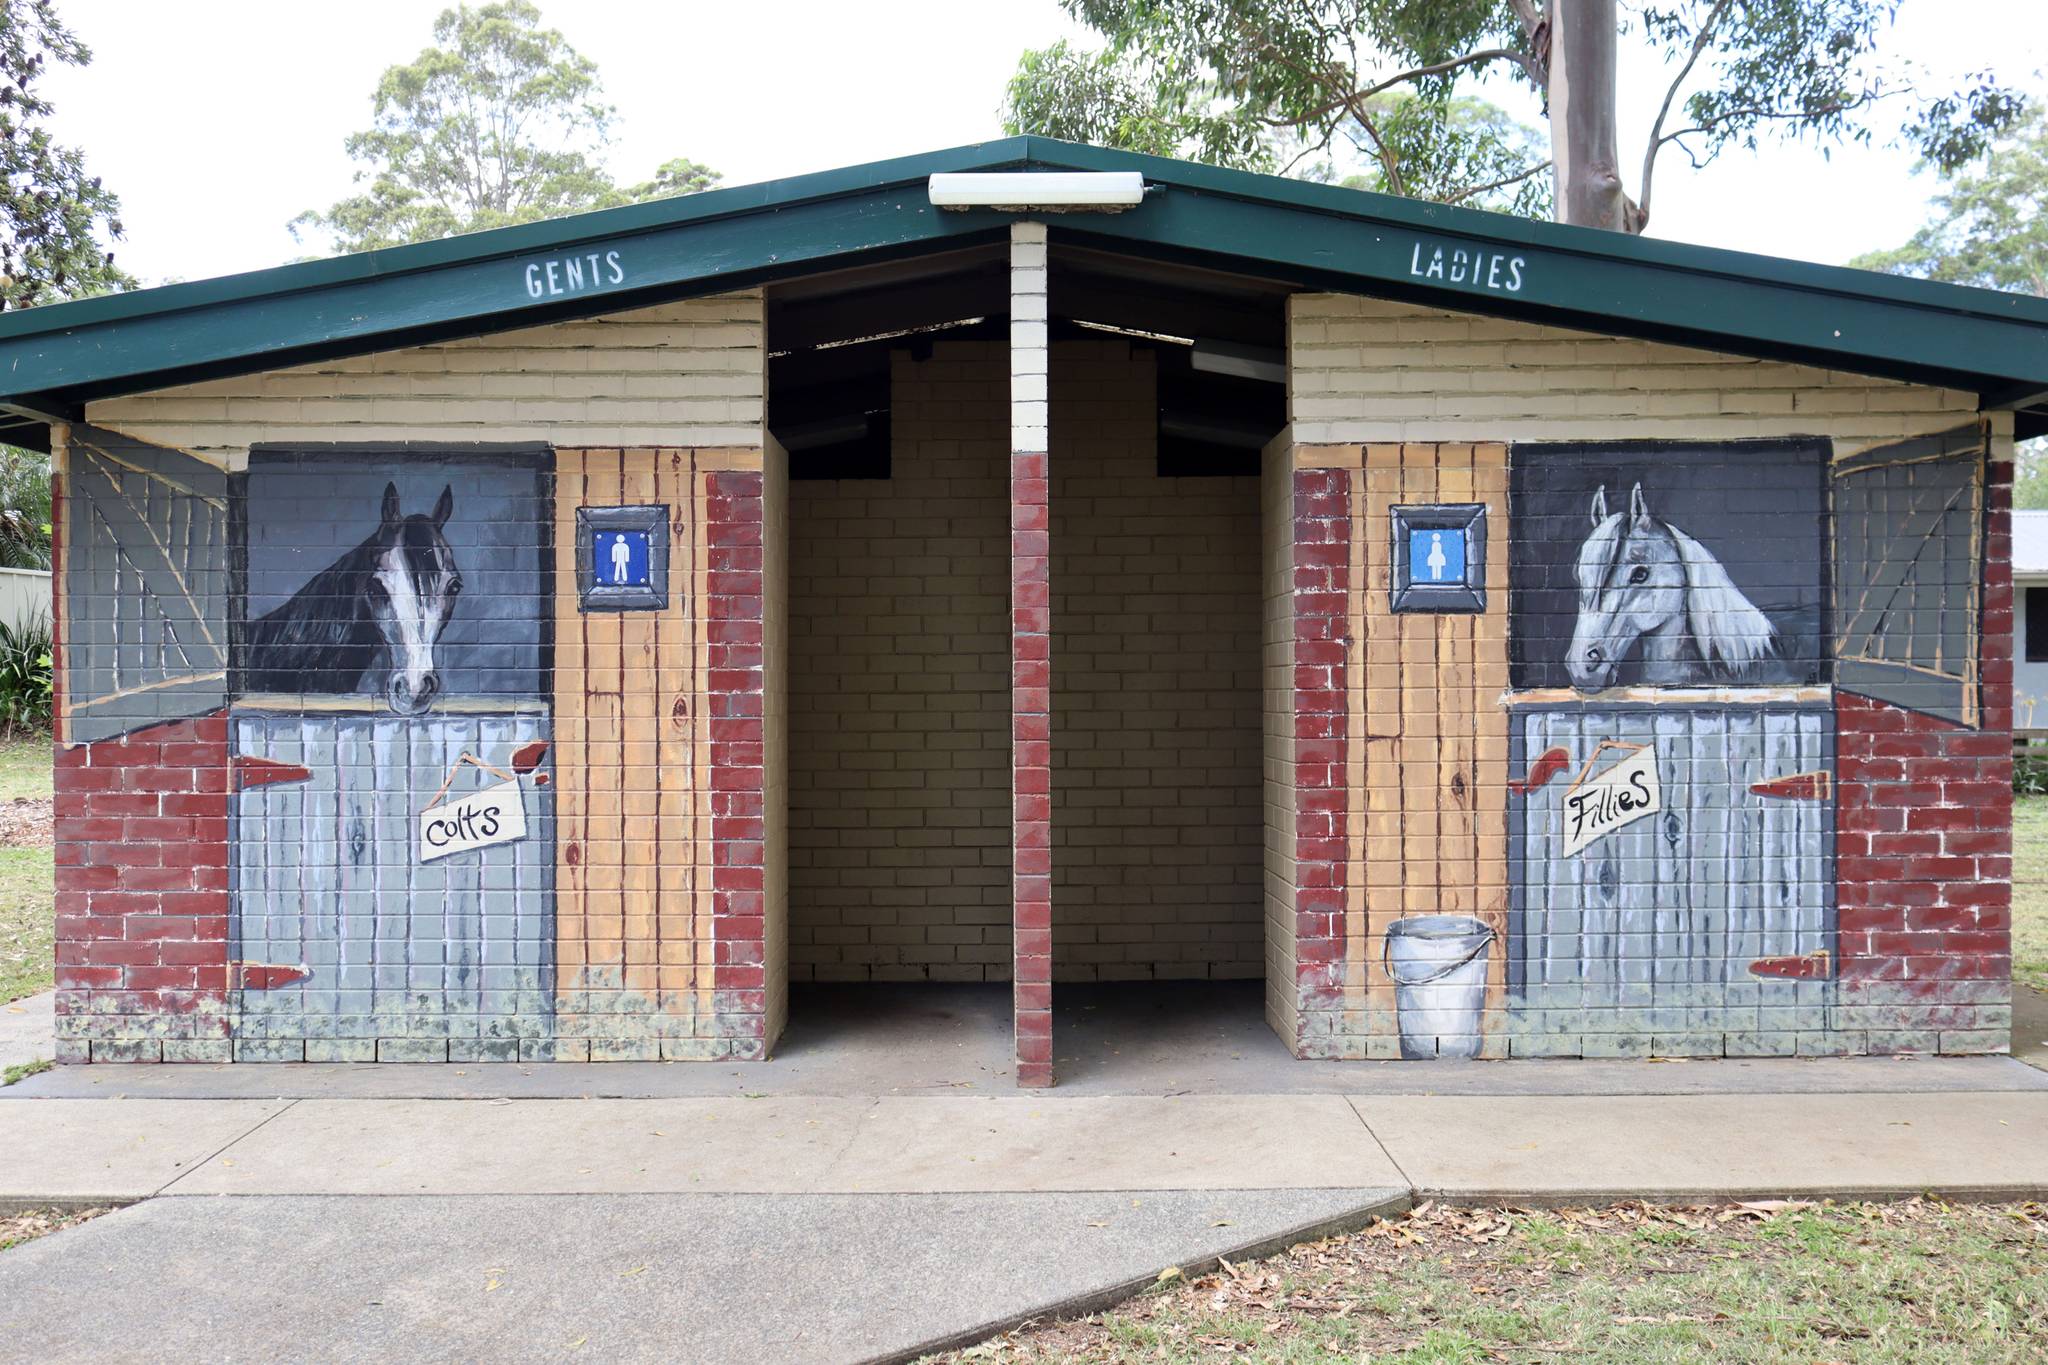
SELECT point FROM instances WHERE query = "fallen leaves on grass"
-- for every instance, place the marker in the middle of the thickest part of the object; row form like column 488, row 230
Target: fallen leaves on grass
column 1886, row 1282
column 16, row 1228
column 27, row 822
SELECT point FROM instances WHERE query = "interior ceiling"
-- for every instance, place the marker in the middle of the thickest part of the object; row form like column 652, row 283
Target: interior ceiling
column 1085, row 286
column 830, row 337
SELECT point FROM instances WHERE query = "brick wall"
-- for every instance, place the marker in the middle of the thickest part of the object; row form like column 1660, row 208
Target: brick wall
column 1922, row 841
column 680, row 374
column 142, row 904
column 899, row 722
column 1924, row 849
column 898, row 709
column 1282, row 822
column 1157, row 809
column 775, row 733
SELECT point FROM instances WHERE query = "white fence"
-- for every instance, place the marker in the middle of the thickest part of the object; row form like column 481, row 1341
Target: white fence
column 24, row 595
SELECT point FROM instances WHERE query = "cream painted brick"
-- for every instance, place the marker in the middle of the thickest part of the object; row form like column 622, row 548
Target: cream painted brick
column 1358, row 364
column 680, row 374
column 898, row 706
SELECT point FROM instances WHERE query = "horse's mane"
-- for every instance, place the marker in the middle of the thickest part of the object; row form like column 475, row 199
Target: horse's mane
column 1733, row 636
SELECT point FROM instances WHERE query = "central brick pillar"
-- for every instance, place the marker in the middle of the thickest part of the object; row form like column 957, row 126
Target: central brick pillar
column 1030, row 658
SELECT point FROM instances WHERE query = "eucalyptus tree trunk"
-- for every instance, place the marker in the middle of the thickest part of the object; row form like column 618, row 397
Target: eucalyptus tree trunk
column 1582, row 120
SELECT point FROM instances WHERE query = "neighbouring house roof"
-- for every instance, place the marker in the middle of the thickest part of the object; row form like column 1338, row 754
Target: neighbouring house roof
column 57, row 358
column 2029, row 543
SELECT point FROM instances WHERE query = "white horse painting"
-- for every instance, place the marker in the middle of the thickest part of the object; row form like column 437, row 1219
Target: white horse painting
column 1649, row 590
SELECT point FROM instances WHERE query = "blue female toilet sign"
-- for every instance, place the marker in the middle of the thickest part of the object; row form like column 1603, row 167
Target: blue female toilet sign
column 622, row 557
column 1439, row 557
column 1436, row 556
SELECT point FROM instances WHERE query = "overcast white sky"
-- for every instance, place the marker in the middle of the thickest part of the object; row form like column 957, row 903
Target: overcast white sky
column 217, row 121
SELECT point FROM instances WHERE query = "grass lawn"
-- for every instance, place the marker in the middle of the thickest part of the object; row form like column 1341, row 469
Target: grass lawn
column 27, row 879
column 28, row 928
column 2030, row 891
column 25, row 767
column 1855, row 1283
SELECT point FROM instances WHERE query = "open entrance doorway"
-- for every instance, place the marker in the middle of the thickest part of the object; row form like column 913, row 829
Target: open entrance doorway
column 890, row 389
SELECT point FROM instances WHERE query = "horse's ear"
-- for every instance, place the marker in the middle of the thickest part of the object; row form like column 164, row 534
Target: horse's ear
column 443, row 506
column 1599, row 504
column 1637, row 507
column 392, row 514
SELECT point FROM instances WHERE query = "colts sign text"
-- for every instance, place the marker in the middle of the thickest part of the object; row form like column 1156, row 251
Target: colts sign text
column 1622, row 795
column 495, row 815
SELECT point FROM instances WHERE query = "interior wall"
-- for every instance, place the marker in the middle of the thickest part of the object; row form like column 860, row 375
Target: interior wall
column 775, row 735
column 1282, row 810
column 899, row 640
column 1157, row 805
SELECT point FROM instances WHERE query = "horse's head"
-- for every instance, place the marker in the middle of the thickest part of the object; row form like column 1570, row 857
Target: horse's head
column 411, row 593
column 1631, row 581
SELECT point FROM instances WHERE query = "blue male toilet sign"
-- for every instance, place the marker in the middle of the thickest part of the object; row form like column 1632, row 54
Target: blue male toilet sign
column 1436, row 555
column 622, row 558
column 1439, row 557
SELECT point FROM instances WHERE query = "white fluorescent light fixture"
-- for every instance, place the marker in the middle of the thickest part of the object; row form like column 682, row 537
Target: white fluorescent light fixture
column 1245, row 362
column 1043, row 191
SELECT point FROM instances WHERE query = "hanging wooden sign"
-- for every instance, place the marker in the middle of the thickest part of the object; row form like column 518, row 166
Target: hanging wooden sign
column 1597, row 805
column 494, row 815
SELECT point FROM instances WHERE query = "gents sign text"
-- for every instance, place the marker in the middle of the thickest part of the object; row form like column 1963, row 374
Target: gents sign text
column 560, row 275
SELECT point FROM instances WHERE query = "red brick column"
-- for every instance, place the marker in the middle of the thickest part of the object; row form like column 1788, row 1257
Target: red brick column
column 735, row 614
column 1030, row 658
column 1322, row 558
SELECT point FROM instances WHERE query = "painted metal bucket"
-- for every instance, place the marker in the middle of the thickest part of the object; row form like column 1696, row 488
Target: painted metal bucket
column 1438, row 966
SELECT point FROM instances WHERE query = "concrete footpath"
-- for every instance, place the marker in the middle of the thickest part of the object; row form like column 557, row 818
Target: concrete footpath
column 842, row 1227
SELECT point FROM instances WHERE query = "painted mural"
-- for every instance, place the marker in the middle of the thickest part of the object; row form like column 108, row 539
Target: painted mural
column 391, row 828
column 357, row 767
column 1669, row 567
column 1670, row 861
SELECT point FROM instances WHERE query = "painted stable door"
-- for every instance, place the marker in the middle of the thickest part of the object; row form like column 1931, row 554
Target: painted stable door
column 391, row 831
column 1672, row 873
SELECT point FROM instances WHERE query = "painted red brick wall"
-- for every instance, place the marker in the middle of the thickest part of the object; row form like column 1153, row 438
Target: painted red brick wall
column 733, row 604
column 1031, row 761
column 1924, row 849
column 1322, row 557
column 142, row 895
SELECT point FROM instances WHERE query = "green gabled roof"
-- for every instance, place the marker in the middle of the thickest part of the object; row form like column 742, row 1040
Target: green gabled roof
column 59, row 357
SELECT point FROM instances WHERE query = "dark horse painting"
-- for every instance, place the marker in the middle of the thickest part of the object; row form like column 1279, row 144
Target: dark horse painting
column 369, row 621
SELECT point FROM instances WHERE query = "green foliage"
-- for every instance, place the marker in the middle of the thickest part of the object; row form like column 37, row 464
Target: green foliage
column 26, row 652
column 1128, row 102
column 1312, row 79
column 15, row 1075
column 24, row 509
column 1462, row 151
column 1990, row 224
column 500, row 122
column 52, row 211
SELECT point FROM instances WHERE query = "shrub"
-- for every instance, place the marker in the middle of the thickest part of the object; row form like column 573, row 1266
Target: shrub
column 24, row 509
column 26, row 651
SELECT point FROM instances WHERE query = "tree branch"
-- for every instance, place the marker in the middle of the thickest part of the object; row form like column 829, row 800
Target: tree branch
column 1517, row 178
column 1699, row 45
column 1491, row 54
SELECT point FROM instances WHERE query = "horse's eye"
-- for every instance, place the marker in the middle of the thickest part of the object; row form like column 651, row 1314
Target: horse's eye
column 1639, row 574
column 455, row 588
